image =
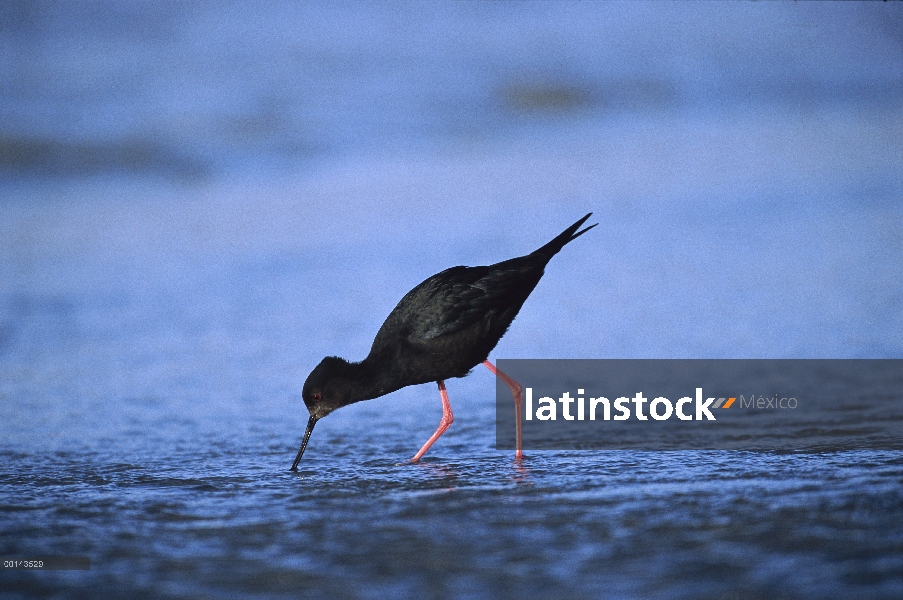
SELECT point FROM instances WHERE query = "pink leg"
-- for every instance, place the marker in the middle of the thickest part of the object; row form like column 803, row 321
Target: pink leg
column 447, row 419
column 517, row 393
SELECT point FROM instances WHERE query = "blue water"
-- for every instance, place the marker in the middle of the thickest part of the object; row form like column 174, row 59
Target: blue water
column 199, row 202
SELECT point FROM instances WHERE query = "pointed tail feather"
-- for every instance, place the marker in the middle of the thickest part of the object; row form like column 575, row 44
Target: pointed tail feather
column 568, row 235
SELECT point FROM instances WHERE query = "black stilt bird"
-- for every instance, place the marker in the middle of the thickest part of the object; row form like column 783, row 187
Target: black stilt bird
column 442, row 328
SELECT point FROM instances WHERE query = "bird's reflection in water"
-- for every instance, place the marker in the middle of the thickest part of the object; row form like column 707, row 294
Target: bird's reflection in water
column 522, row 475
column 438, row 475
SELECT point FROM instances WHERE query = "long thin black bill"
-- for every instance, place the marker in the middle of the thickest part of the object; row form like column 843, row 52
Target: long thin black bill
column 310, row 428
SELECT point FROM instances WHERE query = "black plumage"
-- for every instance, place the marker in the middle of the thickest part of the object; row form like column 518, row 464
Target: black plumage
column 441, row 329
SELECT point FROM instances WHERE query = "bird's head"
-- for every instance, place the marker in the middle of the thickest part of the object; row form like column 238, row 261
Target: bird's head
column 329, row 386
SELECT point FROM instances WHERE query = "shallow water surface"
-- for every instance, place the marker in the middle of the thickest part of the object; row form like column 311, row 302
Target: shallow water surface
column 228, row 522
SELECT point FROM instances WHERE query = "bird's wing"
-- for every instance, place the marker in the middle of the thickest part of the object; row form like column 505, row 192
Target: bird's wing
column 458, row 297
column 461, row 297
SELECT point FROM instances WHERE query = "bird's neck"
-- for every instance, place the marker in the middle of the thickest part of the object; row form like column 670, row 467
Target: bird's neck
column 380, row 377
column 368, row 379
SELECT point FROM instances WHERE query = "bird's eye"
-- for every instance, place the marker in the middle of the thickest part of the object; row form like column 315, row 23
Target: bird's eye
column 316, row 397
